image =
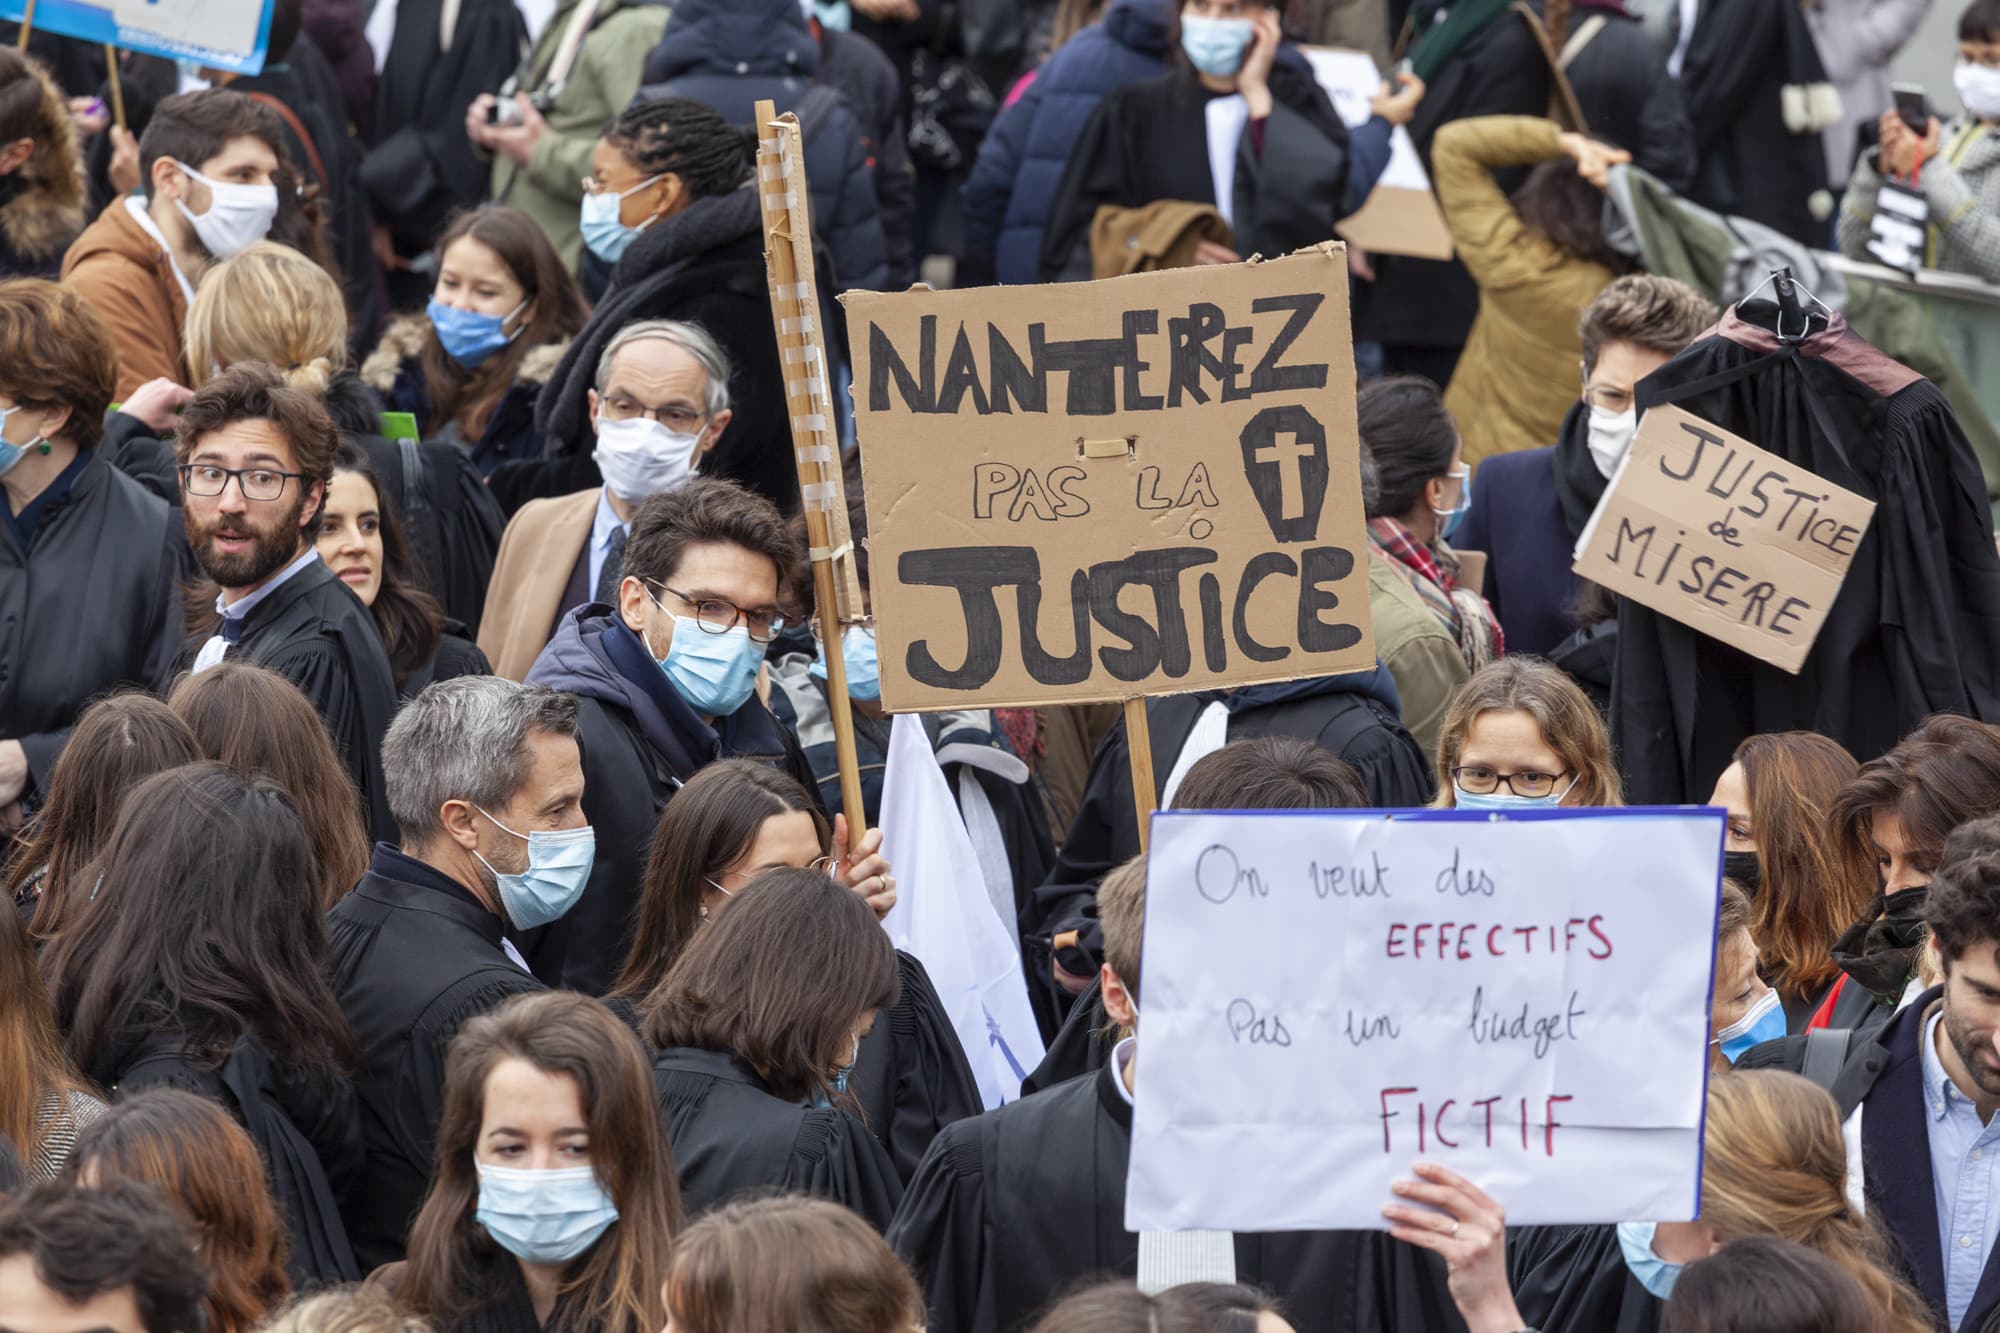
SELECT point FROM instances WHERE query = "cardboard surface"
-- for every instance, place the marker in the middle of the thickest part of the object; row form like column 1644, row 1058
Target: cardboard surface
column 1401, row 215
column 1726, row 538
column 1090, row 491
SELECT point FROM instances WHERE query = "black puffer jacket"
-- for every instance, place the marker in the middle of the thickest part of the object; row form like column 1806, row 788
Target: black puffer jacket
column 730, row 54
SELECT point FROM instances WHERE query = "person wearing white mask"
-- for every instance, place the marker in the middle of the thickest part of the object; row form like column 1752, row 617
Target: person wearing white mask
column 667, row 678
column 658, row 405
column 209, row 164
column 1530, row 506
column 1954, row 165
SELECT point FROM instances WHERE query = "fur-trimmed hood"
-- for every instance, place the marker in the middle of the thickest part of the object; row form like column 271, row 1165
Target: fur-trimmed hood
column 40, row 222
column 404, row 341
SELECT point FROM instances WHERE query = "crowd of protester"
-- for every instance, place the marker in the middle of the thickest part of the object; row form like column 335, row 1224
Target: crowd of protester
column 438, row 909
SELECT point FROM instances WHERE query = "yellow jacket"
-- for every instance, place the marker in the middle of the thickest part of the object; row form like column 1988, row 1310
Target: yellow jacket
column 1522, row 364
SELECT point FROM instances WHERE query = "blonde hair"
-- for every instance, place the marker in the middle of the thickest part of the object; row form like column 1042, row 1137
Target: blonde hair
column 269, row 303
column 368, row 1308
column 1774, row 1164
column 1568, row 720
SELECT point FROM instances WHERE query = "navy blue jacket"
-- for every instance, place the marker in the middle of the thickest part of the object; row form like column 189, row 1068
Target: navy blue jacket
column 1006, row 200
column 1517, row 521
column 729, row 54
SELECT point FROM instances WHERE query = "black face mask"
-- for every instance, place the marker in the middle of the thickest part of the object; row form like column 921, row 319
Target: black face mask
column 1743, row 868
column 1880, row 950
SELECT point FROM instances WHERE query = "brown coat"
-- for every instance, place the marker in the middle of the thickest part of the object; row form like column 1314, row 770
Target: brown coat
column 128, row 279
column 1155, row 236
column 1523, row 363
column 538, row 553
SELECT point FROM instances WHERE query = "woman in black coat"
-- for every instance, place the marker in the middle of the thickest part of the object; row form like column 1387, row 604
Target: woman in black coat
column 201, row 963
column 700, row 258
column 758, row 1025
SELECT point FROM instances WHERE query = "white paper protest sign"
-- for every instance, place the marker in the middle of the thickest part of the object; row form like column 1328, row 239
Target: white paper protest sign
column 1329, row 995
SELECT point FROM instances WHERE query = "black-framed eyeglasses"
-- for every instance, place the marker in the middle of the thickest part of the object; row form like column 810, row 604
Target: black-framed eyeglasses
column 1482, row 781
column 676, row 417
column 257, row 483
column 717, row 616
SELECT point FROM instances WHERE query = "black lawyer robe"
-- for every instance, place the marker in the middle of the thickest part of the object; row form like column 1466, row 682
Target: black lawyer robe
column 1915, row 629
column 910, row 1076
column 314, row 631
column 1017, row 1207
column 733, row 1137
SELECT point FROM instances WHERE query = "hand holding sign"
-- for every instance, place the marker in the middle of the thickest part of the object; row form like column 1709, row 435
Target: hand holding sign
column 1463, row 1226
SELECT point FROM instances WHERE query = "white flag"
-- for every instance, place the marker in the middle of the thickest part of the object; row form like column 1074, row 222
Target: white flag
column 944, row 917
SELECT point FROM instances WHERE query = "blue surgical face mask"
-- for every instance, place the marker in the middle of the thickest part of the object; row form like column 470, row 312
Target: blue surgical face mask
column 470, row 336
column 1216, row 46
column 604, row 229
column 864, row 672
column 1449, row 519
column 1502, row 799
column 559, row 864
column 714, row 673
column 1764, row 1021
column 1655, row 1274
column 11, row 454
column 838, row 1083
column 838, row 16
column 544, row 1217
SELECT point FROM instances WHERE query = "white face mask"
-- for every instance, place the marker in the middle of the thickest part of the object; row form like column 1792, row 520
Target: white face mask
column 641, row 457
column 1610, row 436
column 238, row 216
column 1978, row 88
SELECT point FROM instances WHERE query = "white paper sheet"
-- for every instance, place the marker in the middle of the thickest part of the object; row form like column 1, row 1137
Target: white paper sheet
column 1302, row 967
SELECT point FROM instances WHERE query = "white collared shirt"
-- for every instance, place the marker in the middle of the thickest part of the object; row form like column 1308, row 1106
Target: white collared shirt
column 136, row 206
column 217, row 647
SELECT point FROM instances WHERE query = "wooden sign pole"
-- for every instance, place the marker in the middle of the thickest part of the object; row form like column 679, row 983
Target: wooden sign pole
column 117, row 89
column 788, row 271
column 1139, row 749
column 27, row 26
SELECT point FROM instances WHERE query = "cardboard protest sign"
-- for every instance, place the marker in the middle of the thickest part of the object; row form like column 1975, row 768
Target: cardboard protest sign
column 1726, row 538
column 1401, row 215
column 227, row 35
column 1330, row 995
column 1099, row 490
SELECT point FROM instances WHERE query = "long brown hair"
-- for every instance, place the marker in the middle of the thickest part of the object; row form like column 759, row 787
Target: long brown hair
column 556, row 311
column 31, row 1047
column 705, row 829
column 1943, row 774
column 118, row 742
column 410, row 619
column 617, row 1283
column 789, row 1265
column 779, row 980
column 1812, row 883
column 1569, row 723
column 206, row 1166
column 1774, row 1163
column 258, row 723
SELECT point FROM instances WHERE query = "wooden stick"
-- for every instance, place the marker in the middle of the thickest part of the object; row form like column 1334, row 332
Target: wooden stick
column 117, row 90
column 1139, row 747
column 788, row 271
column 27, row 26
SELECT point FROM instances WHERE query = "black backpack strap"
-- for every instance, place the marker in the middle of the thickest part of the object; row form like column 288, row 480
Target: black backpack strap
column 417, row 521
column 1826, row 1055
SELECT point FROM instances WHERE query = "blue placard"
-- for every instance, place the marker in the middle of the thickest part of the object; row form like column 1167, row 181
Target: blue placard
column 226, row 35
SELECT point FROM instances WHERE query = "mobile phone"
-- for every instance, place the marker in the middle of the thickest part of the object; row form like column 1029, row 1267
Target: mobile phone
column 1912, row 106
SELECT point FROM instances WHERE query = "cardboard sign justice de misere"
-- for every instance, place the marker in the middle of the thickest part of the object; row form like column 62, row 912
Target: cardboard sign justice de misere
column 1090, row 491
column 1726, row 538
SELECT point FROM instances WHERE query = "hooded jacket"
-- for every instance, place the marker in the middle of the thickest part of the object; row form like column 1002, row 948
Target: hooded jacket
column 641, row 742
column 729, row 54
column 41, row 202
column 706, row 265
column 1007, row 198
column 128, row 279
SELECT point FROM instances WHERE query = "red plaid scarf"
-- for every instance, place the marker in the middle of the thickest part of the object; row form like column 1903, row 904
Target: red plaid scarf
column 1434, row 576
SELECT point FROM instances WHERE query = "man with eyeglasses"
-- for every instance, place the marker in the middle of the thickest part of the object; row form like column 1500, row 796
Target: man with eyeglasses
column 1529, row 507
column 255, row 456
column 659, row 404
column 667, row 679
